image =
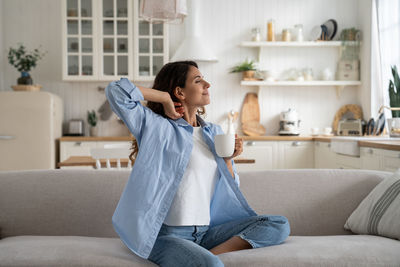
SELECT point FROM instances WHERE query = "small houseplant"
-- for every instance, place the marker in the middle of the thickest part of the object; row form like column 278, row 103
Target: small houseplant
column 24, row 61
column 394, row 92
column 247, row 67
column 394, row 96
column 92, row 120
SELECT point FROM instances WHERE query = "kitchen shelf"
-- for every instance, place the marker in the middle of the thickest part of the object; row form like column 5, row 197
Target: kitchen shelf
column 338, row 84
column 264, row 45
column 300, row 83
column 295, row 44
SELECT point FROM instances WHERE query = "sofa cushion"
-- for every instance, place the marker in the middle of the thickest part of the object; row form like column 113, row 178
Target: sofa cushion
column 345, row 250
column 379, row 213
column 67, row 251
column 307, row 251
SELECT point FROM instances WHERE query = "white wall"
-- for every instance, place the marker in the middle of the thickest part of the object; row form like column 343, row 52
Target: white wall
column 225, row 23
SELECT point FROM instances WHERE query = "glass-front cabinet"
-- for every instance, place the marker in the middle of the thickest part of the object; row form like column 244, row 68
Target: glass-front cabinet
column 104, row 40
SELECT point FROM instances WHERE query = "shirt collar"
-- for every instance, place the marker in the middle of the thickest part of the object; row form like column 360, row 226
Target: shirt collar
column 183, row 122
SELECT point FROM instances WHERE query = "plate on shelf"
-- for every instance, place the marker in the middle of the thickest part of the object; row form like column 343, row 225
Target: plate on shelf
column 331, row 27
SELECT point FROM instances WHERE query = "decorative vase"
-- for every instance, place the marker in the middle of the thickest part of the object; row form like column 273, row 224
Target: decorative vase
column 248, row 74
column 25, row 78
column 93, row 130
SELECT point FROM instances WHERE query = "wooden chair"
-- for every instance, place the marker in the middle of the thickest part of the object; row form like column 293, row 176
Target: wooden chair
column 111, row 151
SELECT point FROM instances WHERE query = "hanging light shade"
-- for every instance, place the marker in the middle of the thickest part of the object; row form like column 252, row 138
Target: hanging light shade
column 163, row 10
column 194, row 46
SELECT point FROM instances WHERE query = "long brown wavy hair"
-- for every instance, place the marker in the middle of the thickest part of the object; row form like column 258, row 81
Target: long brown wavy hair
column 170, row 76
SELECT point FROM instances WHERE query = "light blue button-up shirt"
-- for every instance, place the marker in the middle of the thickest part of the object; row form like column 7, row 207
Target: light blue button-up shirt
column 165, row 146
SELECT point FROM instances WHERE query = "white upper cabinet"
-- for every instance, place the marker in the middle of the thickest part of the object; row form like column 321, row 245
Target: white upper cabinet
column 104, row 40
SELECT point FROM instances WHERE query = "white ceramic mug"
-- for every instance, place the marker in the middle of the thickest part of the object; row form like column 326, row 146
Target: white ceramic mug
column 224, row 144
column 327, row 130
column 315, row 131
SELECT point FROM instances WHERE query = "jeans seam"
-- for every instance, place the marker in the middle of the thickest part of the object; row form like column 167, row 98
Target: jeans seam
column 250, row 229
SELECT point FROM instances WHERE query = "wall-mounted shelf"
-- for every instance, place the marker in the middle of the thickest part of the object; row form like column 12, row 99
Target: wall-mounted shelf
column 338, row 84
column 263, row 48
column 295, row 44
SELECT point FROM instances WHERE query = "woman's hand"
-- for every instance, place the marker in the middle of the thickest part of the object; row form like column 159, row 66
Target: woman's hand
column 173, row 110
column 238, row 148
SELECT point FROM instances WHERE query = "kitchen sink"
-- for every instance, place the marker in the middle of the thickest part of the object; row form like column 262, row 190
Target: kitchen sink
column 348, row 145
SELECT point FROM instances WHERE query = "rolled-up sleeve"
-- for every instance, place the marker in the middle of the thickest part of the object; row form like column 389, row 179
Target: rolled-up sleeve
column 124, row 98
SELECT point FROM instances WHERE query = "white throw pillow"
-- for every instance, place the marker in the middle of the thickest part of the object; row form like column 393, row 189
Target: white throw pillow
column 379, row 212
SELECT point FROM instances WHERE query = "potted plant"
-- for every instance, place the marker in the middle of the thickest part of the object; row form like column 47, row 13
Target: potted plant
column 92, row 120
column 394, row 96
column 24, row 61
column 394, row 92
column 247, row 67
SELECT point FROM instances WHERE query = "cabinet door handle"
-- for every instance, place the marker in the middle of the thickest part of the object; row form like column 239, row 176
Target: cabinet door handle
column 6, row 137
column 329, row 145
column 317, row 143
column 370, row 151
column 251, row 143
column 78, row 143
column 296, row 143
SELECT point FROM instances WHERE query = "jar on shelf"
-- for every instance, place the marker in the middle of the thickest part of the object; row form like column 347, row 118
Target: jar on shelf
column 298, row 32
column 271, row 30
column 308, row 74
column 255, row 34
column 286, row 36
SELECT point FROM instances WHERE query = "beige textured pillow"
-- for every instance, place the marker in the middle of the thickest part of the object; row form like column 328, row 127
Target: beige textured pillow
column 379, row 212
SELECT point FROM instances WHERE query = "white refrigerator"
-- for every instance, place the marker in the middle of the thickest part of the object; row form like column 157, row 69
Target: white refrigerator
column 30, row 124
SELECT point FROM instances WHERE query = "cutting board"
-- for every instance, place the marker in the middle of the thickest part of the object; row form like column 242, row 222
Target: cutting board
column 253, row 128
column 250, row 116
column 250, row 109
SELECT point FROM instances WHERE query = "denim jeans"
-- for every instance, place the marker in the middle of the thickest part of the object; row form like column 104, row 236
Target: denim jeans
column 189, row 245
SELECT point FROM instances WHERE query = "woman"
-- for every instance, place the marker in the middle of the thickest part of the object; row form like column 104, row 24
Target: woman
column 182, row 204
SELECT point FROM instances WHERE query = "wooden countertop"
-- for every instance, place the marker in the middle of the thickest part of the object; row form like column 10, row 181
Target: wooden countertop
column 387, row 144
column 128, row 138
column 89, row 161
column 95, row 138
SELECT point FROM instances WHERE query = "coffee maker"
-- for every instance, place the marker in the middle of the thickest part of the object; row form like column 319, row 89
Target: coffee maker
column 289, row 123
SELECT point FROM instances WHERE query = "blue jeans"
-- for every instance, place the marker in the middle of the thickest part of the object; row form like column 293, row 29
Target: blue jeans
column 189, row 245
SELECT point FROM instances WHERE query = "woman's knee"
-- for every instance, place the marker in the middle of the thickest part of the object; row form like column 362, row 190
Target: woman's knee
column 280, row 223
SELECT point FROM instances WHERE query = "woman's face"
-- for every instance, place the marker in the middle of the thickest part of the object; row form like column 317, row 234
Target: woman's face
column 196, row 89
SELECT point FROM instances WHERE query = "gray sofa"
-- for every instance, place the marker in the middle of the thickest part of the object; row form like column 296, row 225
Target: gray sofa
column 63, row 218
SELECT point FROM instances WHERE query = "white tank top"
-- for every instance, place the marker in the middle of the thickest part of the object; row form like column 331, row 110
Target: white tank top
column 191, row 204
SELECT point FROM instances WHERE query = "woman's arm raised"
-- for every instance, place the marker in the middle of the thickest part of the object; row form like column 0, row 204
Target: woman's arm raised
column 161, row 97
column 124, row 98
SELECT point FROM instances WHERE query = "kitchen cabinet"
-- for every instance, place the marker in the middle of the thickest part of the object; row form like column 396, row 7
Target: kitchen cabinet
column 104, row 40
column 391, row 160
column 264, row 153
column 295, row 154
column 347, row 162
column 324, row 157
column 82, row 148
column 371, row 158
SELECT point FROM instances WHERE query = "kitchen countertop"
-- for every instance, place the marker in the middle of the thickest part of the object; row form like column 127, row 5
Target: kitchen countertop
column 390, row 145
column 387, row 144
column 128, row 138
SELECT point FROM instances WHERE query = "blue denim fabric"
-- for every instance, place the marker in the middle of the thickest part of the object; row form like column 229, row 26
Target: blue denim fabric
column 189, row 245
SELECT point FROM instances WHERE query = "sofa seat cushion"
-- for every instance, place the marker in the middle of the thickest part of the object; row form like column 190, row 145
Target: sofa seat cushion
column 306, row 251
column 67, row 251
column 344, row 250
